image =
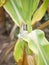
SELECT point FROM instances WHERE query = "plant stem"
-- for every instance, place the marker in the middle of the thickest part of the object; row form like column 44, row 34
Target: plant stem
column 29, row 27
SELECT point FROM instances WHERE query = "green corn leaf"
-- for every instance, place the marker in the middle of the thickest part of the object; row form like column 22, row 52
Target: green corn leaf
column 39, row 45
column 26, row 8
column 40, row 12
column 45, row 50
column 18, row 50
column 11, row 11
column 21, row 10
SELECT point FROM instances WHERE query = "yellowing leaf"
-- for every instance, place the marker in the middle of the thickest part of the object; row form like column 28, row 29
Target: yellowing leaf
column 18, row 50
column 2, row 2
column 40, row 12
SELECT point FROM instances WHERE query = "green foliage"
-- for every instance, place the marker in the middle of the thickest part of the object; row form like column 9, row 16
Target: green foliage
column 18, row 50
column 26, row 8
column 22, row 11
column 39, row 45
column 40, row 12
column 10, row 9
column 45, row 50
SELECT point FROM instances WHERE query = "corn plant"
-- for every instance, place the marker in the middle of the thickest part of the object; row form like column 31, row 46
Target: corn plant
column 32, row 41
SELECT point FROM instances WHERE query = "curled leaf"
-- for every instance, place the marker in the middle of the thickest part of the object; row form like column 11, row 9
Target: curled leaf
column 39, row 45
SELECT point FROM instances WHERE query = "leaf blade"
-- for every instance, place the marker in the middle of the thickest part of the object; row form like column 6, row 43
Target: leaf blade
column 40, row 12
column 18, row 50
column 34, row 44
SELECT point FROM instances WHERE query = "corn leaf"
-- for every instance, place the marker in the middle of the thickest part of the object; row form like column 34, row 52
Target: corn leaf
column 40, row 12
column 39, row 45
column 26, row 8
column 21, row 10
column 45, row 50
column 11, row 11
column 18, row 50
